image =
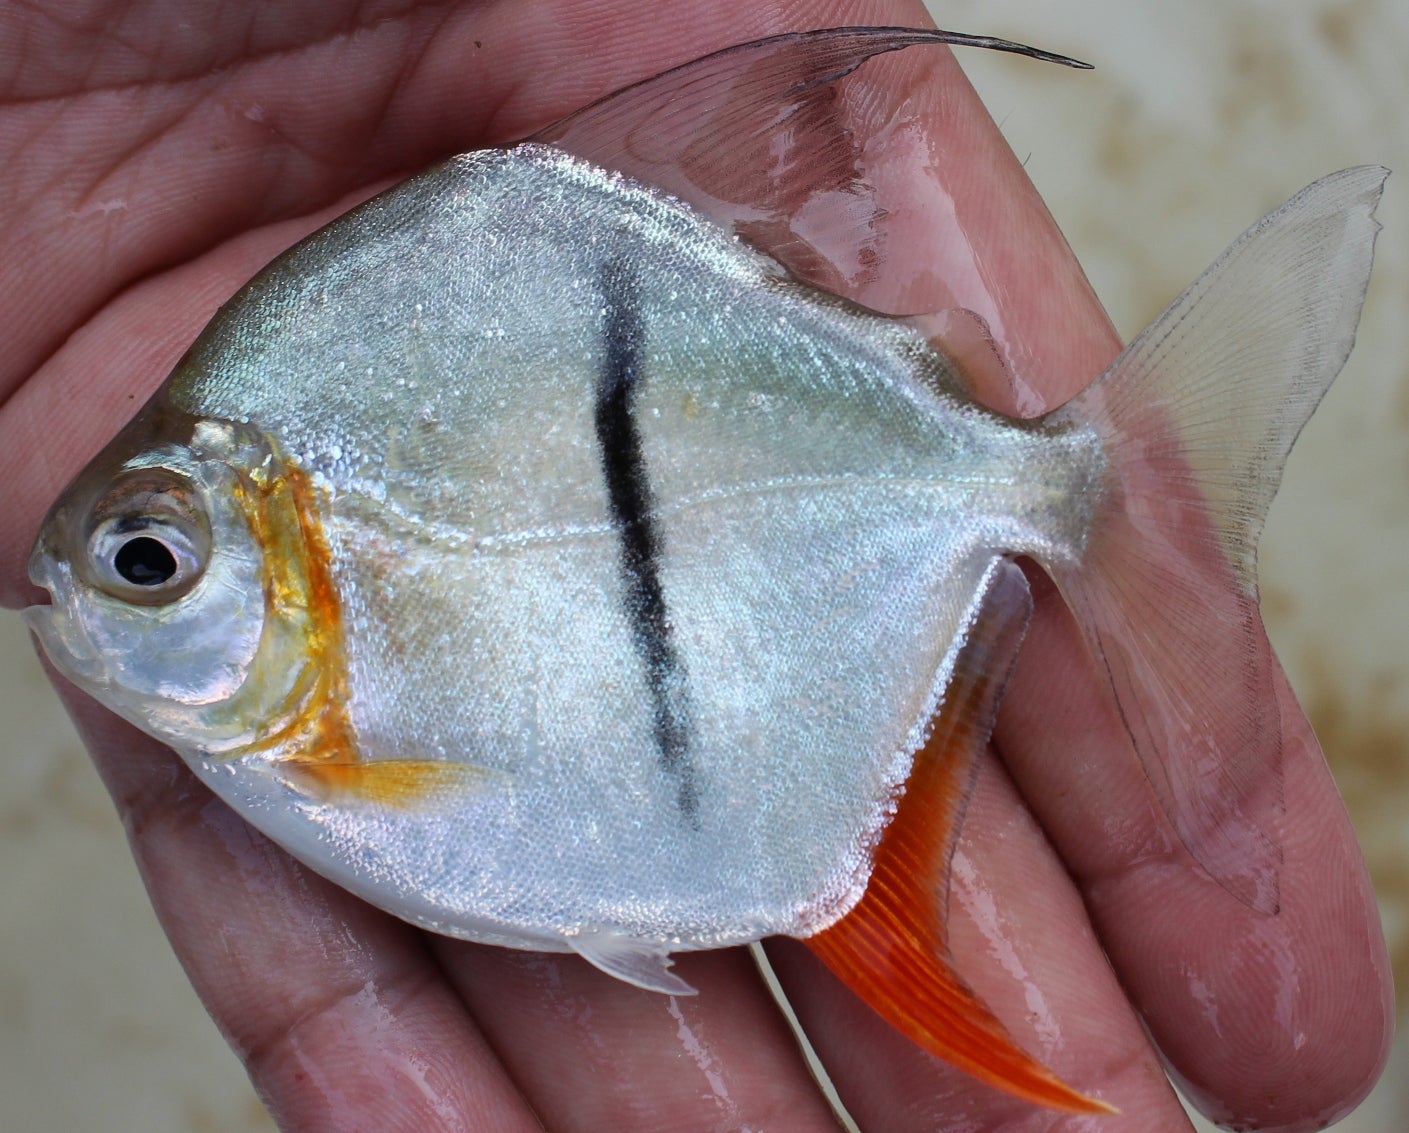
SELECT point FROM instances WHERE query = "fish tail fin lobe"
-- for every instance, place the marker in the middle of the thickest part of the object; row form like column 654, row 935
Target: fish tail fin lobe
column 1197, row 416
column 890, row 948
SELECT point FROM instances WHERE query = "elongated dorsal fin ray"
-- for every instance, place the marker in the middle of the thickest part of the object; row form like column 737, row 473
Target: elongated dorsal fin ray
column 1198, row 415
column 769, row 140
column 891, row 947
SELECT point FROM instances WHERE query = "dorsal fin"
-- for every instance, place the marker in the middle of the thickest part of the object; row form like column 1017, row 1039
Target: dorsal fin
column 963, row 339
column 891, row 948
column 778, row 141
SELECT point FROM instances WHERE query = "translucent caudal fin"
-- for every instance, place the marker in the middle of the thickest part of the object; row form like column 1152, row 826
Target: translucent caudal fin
column 1198, row 416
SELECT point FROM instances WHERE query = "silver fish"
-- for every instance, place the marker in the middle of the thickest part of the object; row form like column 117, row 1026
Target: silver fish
column 538, row 560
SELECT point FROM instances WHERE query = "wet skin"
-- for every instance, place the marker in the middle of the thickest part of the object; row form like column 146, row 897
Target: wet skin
column 152, row 169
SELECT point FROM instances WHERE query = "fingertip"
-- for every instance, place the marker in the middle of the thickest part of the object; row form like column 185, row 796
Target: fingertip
column 1267, row 1021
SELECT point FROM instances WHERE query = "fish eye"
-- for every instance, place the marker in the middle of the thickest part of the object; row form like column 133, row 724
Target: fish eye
column 144, row 561
column 148, row 543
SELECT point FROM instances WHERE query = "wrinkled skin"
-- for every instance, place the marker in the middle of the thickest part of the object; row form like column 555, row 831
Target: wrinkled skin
column 152, row 157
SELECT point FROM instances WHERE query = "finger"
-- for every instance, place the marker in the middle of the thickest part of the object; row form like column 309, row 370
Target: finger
column 1270, row 1021
column 1072, row 760
column 593, row 1053
column 1019, row 935
column 342, row 1019
column 1310, row 990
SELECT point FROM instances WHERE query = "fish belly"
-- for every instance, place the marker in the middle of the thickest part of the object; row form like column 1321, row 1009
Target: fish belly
column 811, row 629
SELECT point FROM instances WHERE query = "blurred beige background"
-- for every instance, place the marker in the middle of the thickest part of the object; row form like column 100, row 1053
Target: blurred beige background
column 1200, row 117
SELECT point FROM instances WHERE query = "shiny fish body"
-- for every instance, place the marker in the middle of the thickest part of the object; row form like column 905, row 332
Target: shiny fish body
column 702, row 767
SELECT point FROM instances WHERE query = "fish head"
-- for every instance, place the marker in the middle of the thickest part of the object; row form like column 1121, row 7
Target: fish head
column 158, row 563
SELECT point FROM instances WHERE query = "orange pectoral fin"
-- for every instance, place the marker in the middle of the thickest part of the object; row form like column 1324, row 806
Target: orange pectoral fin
column 388, row 782
column 890, row 948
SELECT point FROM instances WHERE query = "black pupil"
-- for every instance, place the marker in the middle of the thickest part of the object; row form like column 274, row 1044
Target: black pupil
column 145, row 561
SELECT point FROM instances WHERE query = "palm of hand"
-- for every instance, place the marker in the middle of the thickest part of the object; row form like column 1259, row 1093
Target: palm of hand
column 152, row 168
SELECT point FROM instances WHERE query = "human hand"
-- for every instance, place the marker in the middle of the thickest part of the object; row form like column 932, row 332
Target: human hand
column 147, row 201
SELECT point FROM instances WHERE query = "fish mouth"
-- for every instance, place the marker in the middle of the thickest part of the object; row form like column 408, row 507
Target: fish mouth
column 57, row 624
column 39, row 615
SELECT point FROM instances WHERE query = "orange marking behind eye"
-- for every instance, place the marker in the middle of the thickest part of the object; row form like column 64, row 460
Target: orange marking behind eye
column 302, row 605
column 310, row 731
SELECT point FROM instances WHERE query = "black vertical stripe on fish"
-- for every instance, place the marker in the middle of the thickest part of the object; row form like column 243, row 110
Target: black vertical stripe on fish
column 629, row 496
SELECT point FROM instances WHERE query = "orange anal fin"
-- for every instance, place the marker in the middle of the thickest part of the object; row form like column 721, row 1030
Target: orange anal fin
column 388, row 782
column 890, row 948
